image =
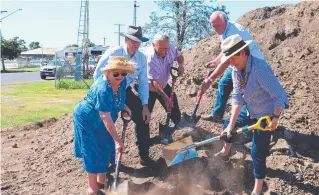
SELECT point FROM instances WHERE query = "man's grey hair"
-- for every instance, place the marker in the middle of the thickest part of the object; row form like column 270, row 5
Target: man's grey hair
column 221, row 15
column 161, row 37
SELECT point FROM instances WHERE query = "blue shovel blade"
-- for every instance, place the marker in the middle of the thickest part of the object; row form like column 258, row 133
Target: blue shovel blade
column 182, row 156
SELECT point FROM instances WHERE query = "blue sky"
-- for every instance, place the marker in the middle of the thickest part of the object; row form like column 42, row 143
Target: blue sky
column 55, row 23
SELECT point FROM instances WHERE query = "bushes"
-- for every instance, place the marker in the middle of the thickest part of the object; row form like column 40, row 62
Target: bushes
column 72, row 84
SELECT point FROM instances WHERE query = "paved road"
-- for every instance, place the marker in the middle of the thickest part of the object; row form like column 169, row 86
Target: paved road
column 7, row 78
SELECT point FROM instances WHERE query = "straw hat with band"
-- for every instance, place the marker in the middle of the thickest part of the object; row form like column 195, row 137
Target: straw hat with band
column 119, row 63
column 135, row 33
column 232, row 45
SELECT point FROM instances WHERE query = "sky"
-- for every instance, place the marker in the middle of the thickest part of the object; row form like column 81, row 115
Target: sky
column 55, row 23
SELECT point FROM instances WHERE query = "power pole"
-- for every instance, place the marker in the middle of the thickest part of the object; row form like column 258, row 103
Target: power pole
column 134, row 14
column 104, row 41
column 119, row 32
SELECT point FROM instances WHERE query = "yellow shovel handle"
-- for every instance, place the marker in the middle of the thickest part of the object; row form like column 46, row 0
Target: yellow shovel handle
column 257, row 125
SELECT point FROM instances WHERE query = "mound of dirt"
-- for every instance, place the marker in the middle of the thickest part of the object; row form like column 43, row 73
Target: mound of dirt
column 38, row 158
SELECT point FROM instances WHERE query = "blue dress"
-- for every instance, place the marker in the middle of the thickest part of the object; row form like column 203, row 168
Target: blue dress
column 92, row 141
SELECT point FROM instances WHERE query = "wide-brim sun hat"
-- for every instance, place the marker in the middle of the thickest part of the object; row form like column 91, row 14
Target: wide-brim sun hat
column 232, row 45
column 119, row 63
column 135, row 33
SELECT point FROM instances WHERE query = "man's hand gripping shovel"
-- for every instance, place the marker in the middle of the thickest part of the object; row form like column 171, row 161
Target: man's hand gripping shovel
column 166, row 131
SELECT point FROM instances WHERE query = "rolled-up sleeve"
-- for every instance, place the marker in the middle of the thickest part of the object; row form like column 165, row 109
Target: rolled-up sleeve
column 237, row 96
column 143, row 86
column 270, row 83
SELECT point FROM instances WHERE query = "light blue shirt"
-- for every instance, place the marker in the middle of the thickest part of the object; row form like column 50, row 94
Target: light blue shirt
column 140, row 74
column 263, row 92
column 233, row 28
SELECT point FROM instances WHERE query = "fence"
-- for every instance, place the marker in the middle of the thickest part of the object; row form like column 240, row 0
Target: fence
column 73, row 76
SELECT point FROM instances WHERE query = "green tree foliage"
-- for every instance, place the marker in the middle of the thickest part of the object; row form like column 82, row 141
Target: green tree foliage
column 34, row 45
column 11, row 49
column 186, row 22
column 72, row 45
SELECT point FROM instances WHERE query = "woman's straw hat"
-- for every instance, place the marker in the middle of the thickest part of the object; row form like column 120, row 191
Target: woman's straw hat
column 119, row 63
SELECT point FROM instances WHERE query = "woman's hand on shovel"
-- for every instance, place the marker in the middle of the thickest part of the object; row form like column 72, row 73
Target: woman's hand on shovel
column 119, row 146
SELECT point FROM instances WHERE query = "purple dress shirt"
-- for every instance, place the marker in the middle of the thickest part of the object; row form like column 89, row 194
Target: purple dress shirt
column 158, row 68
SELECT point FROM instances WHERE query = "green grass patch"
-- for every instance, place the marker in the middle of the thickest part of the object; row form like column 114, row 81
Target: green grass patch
column 72, row 84
column 26, row 103
column 13, row 70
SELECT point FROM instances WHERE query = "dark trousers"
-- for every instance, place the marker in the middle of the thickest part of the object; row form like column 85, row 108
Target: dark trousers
column 175, row 113
column 142, row 130
column 260, row 146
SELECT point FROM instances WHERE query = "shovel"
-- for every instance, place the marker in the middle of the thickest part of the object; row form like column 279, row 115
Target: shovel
column 166, row 130
column 123, row 187
column 190, row 121
column 187, row 151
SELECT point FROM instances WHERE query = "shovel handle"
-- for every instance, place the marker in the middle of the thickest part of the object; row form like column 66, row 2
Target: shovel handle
column 126, row 119
column 257, row 125
column 174, row 73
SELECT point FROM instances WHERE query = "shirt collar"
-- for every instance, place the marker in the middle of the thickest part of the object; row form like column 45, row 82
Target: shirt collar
column 226, row 29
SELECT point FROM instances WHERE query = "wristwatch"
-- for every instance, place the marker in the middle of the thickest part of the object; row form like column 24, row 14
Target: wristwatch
column 275, row 116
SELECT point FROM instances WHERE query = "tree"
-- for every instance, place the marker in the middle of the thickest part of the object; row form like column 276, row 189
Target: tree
column 186, row 22
column 10, row 49
column 34, row 45
column 72, row 45
column 90, row 44
column 22, row 45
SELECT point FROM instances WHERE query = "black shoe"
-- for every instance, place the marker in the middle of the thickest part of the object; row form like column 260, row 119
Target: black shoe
column 211, row 118
column 148, row 162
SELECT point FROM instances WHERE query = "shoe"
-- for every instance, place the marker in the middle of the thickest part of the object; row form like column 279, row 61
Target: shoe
column 211, row 118
column 224, row 158
column 148, row 162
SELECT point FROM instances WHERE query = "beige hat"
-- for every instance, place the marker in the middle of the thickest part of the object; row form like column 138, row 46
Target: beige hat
column 232, row 45
column 119, row 63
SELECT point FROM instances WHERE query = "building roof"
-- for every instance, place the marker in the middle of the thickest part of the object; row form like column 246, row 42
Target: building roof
column 40, row 51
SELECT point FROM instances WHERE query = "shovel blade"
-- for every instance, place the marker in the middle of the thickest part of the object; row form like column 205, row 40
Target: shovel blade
column 166, row 133
column 171, row 155
column 188, row 121
column 122, row 188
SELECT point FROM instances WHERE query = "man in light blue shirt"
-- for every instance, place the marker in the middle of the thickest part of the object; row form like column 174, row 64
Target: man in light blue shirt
column 138, row 81
column 225, row 29
column 256, row 87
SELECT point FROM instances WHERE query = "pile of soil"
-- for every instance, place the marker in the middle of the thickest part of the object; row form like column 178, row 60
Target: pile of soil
column 38, row 158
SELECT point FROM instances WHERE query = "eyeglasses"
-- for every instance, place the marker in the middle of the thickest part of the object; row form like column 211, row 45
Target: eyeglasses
column 117, row 74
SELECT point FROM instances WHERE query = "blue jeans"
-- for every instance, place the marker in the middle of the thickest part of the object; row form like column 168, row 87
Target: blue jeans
column 260, row 146
column 225, row 87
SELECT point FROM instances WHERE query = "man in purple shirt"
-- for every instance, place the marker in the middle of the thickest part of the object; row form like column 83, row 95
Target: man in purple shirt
column 160, row 59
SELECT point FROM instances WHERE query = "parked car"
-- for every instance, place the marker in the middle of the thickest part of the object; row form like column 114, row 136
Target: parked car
column 57, row 68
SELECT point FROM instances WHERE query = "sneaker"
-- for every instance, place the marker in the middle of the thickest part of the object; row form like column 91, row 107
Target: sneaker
column 148, row 162
column 224, row 158
column 211, row 118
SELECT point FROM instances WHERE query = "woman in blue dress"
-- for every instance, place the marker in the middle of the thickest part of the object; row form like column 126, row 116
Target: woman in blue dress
column 95, row 135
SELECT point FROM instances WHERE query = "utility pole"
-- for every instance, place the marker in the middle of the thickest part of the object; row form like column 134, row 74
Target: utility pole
column 134, row 14
column 104, row 41
column 119, row 32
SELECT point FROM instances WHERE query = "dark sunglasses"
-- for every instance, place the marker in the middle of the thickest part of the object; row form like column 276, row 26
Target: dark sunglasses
column 116, row 74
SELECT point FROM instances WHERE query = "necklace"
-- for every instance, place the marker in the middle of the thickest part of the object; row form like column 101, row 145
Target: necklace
column 117, row 97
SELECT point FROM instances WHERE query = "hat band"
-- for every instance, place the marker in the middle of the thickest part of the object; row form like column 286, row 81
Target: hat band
column 231, row 50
